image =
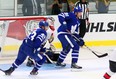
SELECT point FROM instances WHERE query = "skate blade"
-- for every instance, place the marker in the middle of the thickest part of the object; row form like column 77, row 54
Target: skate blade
column 59, row 67
column 76, row 70
column 4, row 72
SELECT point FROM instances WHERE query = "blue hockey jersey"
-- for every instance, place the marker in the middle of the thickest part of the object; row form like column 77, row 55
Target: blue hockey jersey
column 72, row 22
column 36, row 38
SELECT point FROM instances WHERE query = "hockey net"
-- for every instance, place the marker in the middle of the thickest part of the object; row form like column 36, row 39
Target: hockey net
column 13, row 30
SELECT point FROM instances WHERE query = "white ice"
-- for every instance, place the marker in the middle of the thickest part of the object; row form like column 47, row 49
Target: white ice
column 93, row 67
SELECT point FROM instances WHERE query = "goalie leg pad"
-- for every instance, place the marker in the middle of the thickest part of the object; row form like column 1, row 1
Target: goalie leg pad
column 113, row 66
column 56, row 56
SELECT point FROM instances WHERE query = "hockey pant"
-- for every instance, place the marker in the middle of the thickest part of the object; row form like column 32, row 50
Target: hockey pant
column 112, row 61
column 68, row 43
column 25, row 51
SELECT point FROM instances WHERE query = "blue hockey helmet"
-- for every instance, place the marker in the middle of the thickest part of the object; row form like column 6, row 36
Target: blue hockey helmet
column 43, row 23
column 77, row 9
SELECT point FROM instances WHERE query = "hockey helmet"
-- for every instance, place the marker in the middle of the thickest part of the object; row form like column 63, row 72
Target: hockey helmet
column 43, row 23
column 77, row 9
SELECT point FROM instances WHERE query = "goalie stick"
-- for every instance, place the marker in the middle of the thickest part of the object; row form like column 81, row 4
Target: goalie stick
column 95, row 53
column 49, row 59
column 54, row 51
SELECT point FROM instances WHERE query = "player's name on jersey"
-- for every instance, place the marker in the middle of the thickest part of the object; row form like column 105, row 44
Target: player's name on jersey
column 101, row 27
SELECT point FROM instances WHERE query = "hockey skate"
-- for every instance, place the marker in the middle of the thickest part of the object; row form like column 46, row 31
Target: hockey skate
column 73, row 65
column 75, row 68
column 58, row 64
column 9, row 71
column 30, row 63
column 34, row 71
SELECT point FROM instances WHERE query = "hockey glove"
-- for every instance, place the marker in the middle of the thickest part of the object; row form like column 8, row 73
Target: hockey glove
column 52, row 47
column 43, row 50
column 40, row 50
column 81, row 42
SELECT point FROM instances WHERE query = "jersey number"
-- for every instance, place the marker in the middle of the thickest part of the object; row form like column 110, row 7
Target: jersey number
column 41, row 37
column 31, row 37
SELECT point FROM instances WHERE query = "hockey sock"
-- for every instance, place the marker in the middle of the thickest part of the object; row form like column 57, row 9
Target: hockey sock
column 14, row 65
column 75, row 54
column 62, row 56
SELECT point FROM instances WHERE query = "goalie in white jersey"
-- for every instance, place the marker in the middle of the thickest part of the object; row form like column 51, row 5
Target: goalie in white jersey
column 112, row 66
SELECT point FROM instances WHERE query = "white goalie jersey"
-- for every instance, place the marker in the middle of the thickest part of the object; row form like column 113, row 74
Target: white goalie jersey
column 33, row 25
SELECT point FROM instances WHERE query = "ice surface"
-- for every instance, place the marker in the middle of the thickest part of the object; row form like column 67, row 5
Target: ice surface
column 93, row 67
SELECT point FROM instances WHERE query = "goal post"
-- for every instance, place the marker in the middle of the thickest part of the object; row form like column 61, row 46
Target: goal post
column 13, row 30
column 3, row 34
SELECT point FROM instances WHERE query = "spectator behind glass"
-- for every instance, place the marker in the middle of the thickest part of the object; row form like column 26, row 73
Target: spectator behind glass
column 31, row 8
column 49, row 7
column 56, row 6
column 102, row 6
column 71, row 5
column 65, row 6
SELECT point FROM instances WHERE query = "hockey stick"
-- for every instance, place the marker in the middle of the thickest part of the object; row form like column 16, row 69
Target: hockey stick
column 51, row 61
column 95, row 53
column 0, row 49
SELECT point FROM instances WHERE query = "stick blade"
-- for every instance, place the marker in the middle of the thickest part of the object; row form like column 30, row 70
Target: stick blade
column 103, row 55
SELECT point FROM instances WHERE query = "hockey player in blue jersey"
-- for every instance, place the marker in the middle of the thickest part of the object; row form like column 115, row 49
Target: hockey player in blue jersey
column 69, row 26
column 30, row 44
